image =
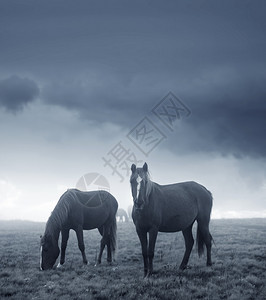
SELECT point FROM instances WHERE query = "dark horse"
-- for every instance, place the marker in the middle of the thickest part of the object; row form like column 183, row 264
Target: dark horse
column 169, row 208
column 79, row 211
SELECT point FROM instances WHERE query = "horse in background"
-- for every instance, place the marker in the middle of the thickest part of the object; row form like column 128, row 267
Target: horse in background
column 79, row 211
column 169, row 208
column 121, row 215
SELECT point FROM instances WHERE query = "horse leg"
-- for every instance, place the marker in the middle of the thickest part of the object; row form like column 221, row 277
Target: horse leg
column 109, row 252
column 189, row 242
column 205, row 235
column 108, row 243
column 79, row 233
column 65, row 236
column 208, row 241
column 152, row 240
column 102, row 244
column 144, row 247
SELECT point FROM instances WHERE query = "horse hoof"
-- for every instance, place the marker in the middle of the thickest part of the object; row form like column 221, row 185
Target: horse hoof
column 182, row 268
column 148, row 275
column 59, row 266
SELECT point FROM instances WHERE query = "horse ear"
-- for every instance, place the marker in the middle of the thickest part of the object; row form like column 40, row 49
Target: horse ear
column 145, row 167
column 133, row 168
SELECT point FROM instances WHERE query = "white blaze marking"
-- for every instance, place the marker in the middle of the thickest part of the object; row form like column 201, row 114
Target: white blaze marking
column 138, row 186
column 41, row 259
column 59, row 266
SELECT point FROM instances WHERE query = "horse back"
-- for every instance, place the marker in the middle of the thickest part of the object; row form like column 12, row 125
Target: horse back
column 91, row 209
column 184, row 194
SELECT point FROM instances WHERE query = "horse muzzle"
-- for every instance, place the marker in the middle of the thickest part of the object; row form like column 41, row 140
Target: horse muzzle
column 138, row 204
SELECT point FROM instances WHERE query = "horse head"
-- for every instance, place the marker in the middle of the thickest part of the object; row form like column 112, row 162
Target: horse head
column 140, row 185
column 49, row 252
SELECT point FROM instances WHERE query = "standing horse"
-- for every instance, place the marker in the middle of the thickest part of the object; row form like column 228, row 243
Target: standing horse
column 79, row 211
column 169, row 208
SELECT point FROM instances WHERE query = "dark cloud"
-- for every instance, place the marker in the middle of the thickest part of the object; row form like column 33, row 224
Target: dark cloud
column 16, row 92
column 228, row 117
column 129, row 38
column 228, row 108
column 114, row 62
column 102, row 99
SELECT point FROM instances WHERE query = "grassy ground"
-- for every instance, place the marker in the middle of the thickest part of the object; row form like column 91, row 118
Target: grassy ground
column 239, row 270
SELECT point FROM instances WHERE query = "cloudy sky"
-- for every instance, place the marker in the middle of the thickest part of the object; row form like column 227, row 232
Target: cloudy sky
column 84, row 88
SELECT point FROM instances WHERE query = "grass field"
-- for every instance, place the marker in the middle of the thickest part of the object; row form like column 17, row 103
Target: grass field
column 239, row 270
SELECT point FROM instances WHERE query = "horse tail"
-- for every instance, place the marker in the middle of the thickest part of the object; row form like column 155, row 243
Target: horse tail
column 203, row 234
column 201, row 241
column 113, row 237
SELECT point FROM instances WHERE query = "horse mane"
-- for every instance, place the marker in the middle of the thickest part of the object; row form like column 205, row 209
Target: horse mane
column 60, row 213
column 149, row 183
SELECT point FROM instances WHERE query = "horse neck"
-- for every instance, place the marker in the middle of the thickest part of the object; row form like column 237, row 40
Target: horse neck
column 57, row 218
column 52, row 228
column 150, row 185
column 151, row 191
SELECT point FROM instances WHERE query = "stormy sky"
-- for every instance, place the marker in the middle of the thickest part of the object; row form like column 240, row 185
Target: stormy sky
column 92, row 86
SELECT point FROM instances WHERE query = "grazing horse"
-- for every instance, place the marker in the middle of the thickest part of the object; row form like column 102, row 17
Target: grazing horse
column 169, row 208
column 79, row 211
column 121, row 215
